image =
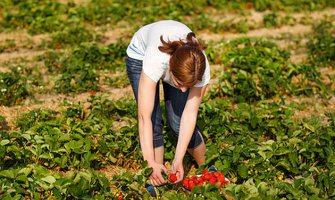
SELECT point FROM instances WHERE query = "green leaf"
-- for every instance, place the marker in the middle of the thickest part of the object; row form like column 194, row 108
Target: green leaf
column 284, row 163
column 242, row 170
column 26, row 171
column 8, row 173
column 4, row 142
column 85, row 175
column 135, row 186
column 147, row 171
column 309, row 127
column 49, row 179
column 26, row 136
column 112, row 158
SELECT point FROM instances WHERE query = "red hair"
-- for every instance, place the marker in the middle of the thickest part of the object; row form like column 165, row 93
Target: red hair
column 187, row 61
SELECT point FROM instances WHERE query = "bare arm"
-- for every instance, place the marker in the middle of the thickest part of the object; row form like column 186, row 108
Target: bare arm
column 146, row 100
column 187, row 124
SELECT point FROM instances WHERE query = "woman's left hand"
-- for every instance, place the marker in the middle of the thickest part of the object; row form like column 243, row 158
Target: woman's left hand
column 178, row 169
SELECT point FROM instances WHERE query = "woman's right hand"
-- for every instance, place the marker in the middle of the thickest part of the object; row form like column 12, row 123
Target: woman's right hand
column 156, row 177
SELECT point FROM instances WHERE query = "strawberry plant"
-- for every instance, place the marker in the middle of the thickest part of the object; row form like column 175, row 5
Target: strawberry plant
column 256, row 69
column 78, row 72
column 37, row 16
column 321, row 44
column 73, row 36
column 252, row 119
column 291, row 5
column 52, row 60
column 14, row 87
column 268, row 147
column 38, row 182
column 117, row 81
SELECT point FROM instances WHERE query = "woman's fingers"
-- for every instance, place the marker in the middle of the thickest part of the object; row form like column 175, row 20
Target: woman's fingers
column 164, row 169
column 154, row 182
column 156, row 178
column 180, row 175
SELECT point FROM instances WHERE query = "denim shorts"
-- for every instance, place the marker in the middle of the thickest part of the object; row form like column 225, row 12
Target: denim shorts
column 175, row 101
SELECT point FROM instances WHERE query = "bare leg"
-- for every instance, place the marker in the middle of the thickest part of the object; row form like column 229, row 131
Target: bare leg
column 198, row 153
column 159, row 154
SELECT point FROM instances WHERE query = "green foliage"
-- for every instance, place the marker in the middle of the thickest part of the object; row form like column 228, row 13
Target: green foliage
column 321, row 45
column 230, row 25
column 262, row 145
column 76, row 140
column 291, row 5
column 27, row 120
column 78, row 72
column 275, row 20
column 251, row 133
column 38, row 182
column 118, row 81
column 52, row 60
column 72, row 36
column 256, row 69
column 37, row 16
column 47, row 16
column 14, row 87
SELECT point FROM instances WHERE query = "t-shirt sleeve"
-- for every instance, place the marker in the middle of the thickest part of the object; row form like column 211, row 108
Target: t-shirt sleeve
column 206, row 77
column 152, row 64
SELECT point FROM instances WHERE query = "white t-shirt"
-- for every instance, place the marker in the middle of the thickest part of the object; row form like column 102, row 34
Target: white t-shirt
column 144, row 46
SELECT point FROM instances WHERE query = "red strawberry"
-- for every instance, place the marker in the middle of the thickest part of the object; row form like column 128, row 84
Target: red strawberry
column 119, row 198
column 222, row 185
column 212, row 180
column 196, row 181
column 221, row 178
column 216, row 174
column 186, row 183
column 191, row 186
column 172, row 178
column 206, row 177
column 204, row 172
